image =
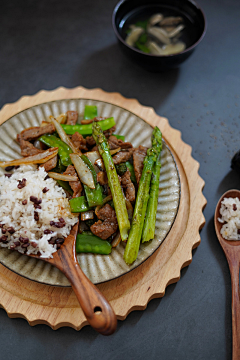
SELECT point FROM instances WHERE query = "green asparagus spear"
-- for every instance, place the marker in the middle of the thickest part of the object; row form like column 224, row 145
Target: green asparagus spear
column 133, row 243
column 118, row 198
column 150, row 220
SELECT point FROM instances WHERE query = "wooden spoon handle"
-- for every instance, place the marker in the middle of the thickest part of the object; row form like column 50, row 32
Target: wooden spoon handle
column 96, row 308
column 234, row 270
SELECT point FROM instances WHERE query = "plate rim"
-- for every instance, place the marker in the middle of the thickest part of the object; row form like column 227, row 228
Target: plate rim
column 172, row 223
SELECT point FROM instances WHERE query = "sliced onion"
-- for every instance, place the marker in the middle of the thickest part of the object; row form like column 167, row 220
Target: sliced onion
column 117, row 239
column 62, row 177
column 114, row 151
column 96, row 159
column 64, row 136
column 33, row 159
column 107, row 199
column 87, row 215
column 62, row 118
column 100, row 164
column 129, row 209
column 93, row 156
column 83, row 171
column 37, row 144
column 44, row 123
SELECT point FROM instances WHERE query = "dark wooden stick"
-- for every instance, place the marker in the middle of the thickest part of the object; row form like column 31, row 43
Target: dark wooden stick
column 233, row 262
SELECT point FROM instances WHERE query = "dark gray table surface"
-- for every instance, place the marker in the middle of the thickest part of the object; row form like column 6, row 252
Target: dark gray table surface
column 47, row 43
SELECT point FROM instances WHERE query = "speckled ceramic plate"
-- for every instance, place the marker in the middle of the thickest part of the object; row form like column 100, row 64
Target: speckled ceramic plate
column 98, row 268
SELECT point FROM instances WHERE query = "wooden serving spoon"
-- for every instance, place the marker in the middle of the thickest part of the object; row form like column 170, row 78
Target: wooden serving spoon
column 96, row 308
column 231, row 249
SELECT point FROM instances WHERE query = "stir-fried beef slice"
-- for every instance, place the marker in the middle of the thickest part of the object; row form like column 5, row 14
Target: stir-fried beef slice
column 128, row 186
column 89, row 121
column 107, row 213
column 72, row 117
column 122, row 156
column 115, row 143
column 108, row 226
column 79, row 141
column 138, row 158
column 76, row 186
column 102, row 178
column 125, row 145
column 28, row 149
column 50, row 164
column 110, row 131
column 90, row 140
column 33, row 133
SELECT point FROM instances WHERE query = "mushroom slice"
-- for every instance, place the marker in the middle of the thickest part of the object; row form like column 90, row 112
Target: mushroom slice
column 171, row 20
column 134, row 35
column 155, row 49
column 159, row 34
column 168, row 29
column 176, row 31
column 174, row 48
column 155, row 19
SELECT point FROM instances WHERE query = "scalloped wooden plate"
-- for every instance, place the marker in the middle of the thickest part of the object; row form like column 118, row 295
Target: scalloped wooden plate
column 58, row 306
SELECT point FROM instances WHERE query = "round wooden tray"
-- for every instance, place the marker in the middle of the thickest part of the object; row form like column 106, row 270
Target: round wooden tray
column 57, row 306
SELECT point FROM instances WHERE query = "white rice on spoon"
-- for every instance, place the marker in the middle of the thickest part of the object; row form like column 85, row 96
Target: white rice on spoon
column 26, row 223
column 230, row 217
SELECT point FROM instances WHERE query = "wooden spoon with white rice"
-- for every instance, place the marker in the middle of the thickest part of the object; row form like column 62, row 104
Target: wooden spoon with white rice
column 231, row 249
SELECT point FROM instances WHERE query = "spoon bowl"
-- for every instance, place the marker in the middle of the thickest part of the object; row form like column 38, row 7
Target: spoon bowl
column 231, row 249
column 96, row 308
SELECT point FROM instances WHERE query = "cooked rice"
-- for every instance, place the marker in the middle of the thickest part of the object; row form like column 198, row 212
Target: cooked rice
column 230, row 212
column 13, row 213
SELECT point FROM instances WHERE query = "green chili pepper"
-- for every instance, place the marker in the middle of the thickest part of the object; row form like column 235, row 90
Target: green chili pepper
column 86, row 242
column 87, row 129
column 79, row 204
column 65, row 185
column 131, row 169
column 121, row 137
column 94, row 196
column 90, row 112
column 63, row 149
